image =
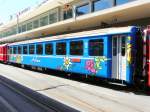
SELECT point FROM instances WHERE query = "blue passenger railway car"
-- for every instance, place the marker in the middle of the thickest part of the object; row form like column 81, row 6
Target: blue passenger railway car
column 107, row 53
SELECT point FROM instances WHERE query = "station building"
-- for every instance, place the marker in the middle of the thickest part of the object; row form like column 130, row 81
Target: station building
column 56, row 17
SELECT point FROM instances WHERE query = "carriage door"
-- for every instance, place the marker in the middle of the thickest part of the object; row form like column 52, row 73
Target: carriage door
column 119, row 57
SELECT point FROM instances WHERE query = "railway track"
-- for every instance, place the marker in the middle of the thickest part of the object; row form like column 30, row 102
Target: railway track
column 38, row 101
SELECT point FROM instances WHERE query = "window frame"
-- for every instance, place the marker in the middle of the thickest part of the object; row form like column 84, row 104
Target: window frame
column 37, row 52
column 81, row 5
column 93, row 5
column 49, row 43
column 20, row 51
column 15, row 50
column 90, row 47
column 33, row 49
column 10, row 50
column 82, row 47
column 65, row 46
column 23, row 49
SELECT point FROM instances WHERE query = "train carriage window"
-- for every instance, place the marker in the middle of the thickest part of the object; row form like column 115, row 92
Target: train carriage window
column 96, row 47
column 31, row 49
column 76, row 48
column 61, row 48
column 123, row 45
column 19, row 49
column 115, row 46
column 10, row 50
column 24, row 49
column 39, row 49
column 49, row 49
column 14, row 50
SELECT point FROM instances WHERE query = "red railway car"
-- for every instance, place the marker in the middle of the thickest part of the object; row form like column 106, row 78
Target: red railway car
column 3, row 53
column 147, row 54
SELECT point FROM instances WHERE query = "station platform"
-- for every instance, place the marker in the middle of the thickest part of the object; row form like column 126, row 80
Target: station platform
column 79, row 95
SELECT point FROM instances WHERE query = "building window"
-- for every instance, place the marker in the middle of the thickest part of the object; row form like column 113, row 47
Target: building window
column 49, row 49
column 61, row 48
column 23, row 28
column 44, row 21
column 36, row 24
column 20, row 30
column 52, row 18
column 24, row 49
column 68, row 14
column 119, row 2
column 83, row 9
column 31, row 49
column 101, row 4
column 96, row 47
column 29, row 26
column 67, row 11
column 19, row 49
column 39, row 49
column 76, row 48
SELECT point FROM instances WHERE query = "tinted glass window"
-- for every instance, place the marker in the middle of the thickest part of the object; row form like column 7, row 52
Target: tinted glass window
column 20, row 30
column 84, row 9
column 29, row 26
column 24, row 28
column 61, row 48
column 96, row 47
column 102, row 4
column 19, row 49
column 44, row 21
column 68, row 14
column 15, row 50
column 39, row 49
column 10, row 50
column 36, row 24
column 76, row 48
column 123, row 46
column 52, row 18
column 31, row 49
column 119, row 2
column 49, row 49
column 24, row 49
column 114, row 46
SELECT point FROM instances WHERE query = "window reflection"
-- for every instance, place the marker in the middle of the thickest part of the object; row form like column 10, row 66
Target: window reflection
column 102, row 4
column 84, row 9
column 119, row 2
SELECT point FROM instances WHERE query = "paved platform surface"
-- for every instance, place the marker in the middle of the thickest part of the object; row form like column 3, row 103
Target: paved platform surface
column 10, row 101
column 82, row 96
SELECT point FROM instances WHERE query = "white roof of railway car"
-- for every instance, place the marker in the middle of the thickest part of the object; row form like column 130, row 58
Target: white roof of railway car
column 115, row 30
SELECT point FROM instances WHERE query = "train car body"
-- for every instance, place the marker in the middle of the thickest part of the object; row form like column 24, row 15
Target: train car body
column 3, row 53
column 107, row 53
column 147, row 54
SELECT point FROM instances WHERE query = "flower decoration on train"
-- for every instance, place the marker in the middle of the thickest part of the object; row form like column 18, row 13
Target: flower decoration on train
column 67, row 63
column 90, row 66
column 16, row 58
column 94, row 65
column 129, row 47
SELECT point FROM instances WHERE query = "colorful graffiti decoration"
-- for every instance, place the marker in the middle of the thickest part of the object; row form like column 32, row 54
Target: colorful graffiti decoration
column 17, row 59
column 129, row 47
column 93, row 66
column 67, row 63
